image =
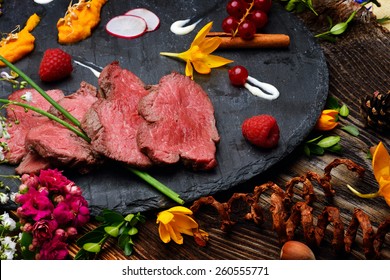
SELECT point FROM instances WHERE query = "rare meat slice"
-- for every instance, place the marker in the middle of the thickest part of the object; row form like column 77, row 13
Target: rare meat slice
column 55, row 144
column 180, row 124
column 78, row 103
column 61, row 147
column 112, row 122
column 32, row 163
column 19, row 121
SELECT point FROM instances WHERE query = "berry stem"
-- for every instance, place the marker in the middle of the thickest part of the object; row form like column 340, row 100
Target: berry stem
column 243, row 17
column 41, row 91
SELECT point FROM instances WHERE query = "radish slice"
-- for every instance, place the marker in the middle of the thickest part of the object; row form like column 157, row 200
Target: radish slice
column 126, row 26
column 152, row 20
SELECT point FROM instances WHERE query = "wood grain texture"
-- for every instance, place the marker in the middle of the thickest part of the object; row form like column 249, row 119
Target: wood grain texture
column 358, row 65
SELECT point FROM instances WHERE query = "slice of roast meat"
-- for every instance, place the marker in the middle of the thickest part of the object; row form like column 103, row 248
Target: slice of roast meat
column 78, row 103
column 19, row 121
column 32, row 163
column 112, row 122
column 61, row 147
column 180, row 124
column 54, row 143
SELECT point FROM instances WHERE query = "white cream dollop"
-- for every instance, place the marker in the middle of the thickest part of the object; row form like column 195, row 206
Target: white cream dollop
column 43, row 1
column 178, row 29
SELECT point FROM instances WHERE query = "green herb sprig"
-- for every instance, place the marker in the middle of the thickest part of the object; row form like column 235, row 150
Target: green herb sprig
column 113, row 225
column 334, row 29
column 79, row 131
column 323, row 143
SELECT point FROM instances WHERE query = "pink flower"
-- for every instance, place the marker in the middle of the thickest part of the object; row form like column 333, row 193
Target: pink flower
column 44, row 230
column 74, row 210
column 35, row 205
column 30, row 180
column 54, row 249
column 61, row 234
column 62, row 213
column 53, row 180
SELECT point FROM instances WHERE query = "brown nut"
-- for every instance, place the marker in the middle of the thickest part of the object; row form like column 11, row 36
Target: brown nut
column 295, row 250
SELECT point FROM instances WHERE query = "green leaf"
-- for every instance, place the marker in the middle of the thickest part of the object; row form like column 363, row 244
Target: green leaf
column 123, row 240
column 92, row 247
column 314, row 139
column 353, row 130
column 316, row 150
column 128, row 250
column 129, row 217
column 306, row 150
column 332, row 103
column 328, row 141
column 339, row 28
column 90, row 237
column 113, row 217
column 344, row 111
column 335, row 148
column 82, row 255
column 133, row 231
column 25, row 242
column 112, row 231
column 141, row 218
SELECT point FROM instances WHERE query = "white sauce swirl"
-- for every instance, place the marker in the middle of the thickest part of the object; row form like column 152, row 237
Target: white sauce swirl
column 178, row 29
column 43, row 1
column 96, row 73
column 257, row 90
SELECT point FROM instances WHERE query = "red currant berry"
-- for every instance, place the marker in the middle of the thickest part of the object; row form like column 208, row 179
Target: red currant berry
column 236, row 8
column 264, row 5
column 259, row 18
column 229, row 24
column 247, row 30
column 238, row 75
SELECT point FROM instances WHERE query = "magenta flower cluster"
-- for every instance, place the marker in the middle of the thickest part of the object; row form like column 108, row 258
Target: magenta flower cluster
column 51, row 210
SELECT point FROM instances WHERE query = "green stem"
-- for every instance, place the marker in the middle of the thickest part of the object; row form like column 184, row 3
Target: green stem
column 157, row 185
column 367, row 195
column 41, row 91
column 50, row 116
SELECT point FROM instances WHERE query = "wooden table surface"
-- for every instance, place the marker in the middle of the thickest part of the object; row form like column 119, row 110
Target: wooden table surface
column 358, row 65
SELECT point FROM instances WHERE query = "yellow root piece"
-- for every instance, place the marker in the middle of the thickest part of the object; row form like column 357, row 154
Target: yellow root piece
column 79, row 21
column 16, row 45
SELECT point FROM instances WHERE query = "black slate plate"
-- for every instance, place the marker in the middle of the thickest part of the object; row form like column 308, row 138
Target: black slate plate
column 300, row 73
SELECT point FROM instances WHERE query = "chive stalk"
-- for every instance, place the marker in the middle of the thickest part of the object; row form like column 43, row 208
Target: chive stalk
column 50, row 116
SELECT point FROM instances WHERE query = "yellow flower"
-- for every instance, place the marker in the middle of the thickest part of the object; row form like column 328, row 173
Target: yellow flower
column 199, row 55
column 381, row 169
column 327, row 120
column 177, row 221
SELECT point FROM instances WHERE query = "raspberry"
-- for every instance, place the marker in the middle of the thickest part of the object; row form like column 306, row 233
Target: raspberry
column 55, row 65
column 262, row 131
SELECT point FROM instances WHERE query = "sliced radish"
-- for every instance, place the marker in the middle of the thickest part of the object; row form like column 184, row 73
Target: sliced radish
column 126, row 26
column 152, row 20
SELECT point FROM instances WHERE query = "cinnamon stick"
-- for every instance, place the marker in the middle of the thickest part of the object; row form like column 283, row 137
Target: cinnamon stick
column 259, row 41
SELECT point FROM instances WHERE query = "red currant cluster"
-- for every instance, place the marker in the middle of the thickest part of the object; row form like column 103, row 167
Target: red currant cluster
column 246, row 17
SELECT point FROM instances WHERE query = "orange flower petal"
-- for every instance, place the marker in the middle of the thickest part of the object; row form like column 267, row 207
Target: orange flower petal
column 202, row 34
column 209, row 45
column 163, row 232
column 381, row 162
